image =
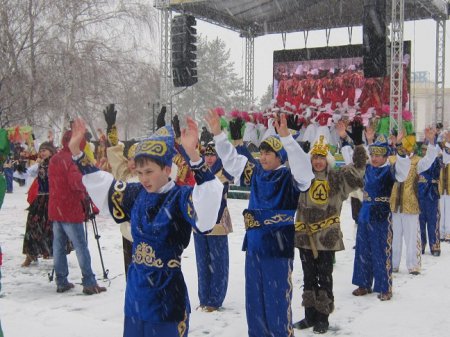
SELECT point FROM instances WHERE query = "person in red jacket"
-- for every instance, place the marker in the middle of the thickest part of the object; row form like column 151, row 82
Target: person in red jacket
column 66, row 208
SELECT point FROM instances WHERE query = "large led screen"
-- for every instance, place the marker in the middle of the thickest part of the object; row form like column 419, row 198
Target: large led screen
column 332, row 77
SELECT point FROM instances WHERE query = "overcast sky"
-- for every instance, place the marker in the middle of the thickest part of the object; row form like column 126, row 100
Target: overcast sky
column 421, row 33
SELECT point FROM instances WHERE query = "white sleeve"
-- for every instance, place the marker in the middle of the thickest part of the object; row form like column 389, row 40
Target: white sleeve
column 233, row 162
column 445, row 157
column 33, row 170
column 347, row 154
column 299, row 163
column 250, row 133
column 97, row 185
column 402, row 166
column 207, row 199
column 426, row 162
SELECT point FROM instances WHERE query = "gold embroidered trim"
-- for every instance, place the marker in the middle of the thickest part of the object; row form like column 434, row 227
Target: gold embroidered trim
column 145, row 254
column 250, row 222
column 317, row 226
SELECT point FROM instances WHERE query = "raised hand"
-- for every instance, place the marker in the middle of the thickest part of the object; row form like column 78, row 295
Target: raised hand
column 78, row 132
column 235, row 126
column 189, row 139
column 430, row 134
column 110, row 116
column 341, row 129
column 160, row 120
column 357, row 133
column 213, row 120
column 176, row 126
column 370, row 134
column 280, row 124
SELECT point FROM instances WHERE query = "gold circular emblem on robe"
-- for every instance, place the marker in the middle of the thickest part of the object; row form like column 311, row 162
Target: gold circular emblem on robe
column 318, row 192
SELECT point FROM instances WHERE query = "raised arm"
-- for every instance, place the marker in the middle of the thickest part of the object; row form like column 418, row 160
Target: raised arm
column 299, row 161
column 432, row 152
column 231, row 160
column 207, row 192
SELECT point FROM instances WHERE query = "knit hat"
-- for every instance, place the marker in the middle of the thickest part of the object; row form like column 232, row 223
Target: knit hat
column 160, row 146
column 48, row 146
column 275, row 144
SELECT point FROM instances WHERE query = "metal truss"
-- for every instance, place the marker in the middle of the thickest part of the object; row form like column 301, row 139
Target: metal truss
column 166, row 87
column 396, row 81
column 249, row 85
column 440, row 71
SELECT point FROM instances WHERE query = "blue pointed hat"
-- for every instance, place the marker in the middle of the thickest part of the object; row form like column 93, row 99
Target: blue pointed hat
column 380, row 147
column 275, row 144
column 160, row 146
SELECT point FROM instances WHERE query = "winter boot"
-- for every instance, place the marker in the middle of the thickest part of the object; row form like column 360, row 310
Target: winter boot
column 308, row 321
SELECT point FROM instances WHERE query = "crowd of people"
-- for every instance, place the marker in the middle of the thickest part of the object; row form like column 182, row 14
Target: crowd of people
column 175, row 183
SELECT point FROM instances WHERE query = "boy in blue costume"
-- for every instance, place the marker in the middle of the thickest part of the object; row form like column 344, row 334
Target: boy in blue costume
column 269, row 223
column 373, row 251
column 428, row 191
column 162, row 216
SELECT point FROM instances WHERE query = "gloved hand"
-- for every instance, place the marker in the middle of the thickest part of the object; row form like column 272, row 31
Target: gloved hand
column 306, row 146
column 176, row 126
column 292, row 122
column 235, row 126
column 160, row 120
column 357, row 132
column 110, row 116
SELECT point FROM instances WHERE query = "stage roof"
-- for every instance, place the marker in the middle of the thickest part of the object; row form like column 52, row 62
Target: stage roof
column 260, row 17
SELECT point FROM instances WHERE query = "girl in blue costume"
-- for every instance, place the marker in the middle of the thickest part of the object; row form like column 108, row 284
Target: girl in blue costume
column 269, row 222
column 162, row 216
column 212, row 250
column 373, row 251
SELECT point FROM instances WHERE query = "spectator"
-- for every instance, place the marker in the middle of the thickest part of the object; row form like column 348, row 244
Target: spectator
column 66, row 209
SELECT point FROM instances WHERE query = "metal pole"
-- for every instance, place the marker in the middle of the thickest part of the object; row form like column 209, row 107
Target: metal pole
column 440, row 71
column 396, row 76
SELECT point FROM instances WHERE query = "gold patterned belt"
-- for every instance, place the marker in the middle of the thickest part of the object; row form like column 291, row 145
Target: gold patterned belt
column 317, row 226
column 377, row 199
column 146, row 255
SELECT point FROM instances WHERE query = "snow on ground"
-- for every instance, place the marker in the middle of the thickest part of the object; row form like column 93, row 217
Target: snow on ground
column 30, row 306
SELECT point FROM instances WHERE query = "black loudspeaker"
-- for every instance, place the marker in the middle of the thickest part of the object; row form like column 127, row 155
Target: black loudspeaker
column 184, row 50
column 374, row 38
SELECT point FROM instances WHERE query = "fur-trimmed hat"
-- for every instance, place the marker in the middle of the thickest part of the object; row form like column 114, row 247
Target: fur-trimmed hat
column 160, row 146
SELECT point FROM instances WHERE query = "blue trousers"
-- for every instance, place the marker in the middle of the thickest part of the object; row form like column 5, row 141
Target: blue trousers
column 8, row 171
column 62, row 232
column 373, row 255
column 211, row 252
column 429, row 222
column 136, row 328
column 268, row 296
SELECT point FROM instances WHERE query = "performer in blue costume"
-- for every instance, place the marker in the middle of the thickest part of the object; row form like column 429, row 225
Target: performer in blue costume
column 269, row 223
column 162, row 216
column 373, row 251
column 211, row 250
column 428, row 188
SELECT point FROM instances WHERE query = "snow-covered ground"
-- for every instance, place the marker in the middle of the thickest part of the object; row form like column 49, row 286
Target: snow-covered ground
column 30, row 306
